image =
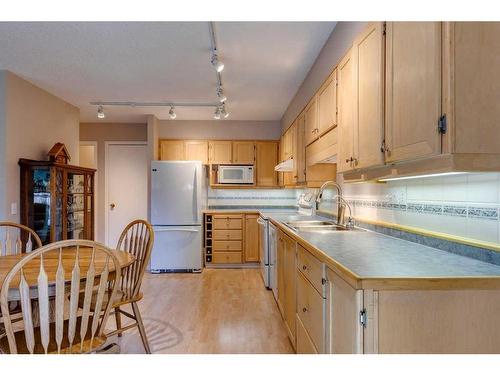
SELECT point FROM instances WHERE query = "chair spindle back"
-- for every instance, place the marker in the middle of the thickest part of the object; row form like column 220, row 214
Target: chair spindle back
column 16, row 239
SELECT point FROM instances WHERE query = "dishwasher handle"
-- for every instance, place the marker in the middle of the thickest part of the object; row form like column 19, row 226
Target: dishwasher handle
column 176, row 230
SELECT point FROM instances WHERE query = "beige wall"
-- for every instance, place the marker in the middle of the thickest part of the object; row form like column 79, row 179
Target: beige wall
column 334, row 49
column 101, row 133
column 33, row 121
column 219, row 129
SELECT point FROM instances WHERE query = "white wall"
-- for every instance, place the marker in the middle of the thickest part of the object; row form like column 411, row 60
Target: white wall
column 334, row 49
column 219, row 129
column 3, row 177
column 34, row 120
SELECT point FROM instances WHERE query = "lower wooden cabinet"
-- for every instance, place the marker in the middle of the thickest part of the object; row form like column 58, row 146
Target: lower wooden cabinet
column 290, row 287
column 252, row 238
column 304, row 342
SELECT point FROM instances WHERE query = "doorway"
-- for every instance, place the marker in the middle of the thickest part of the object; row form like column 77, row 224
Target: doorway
column 126, row 186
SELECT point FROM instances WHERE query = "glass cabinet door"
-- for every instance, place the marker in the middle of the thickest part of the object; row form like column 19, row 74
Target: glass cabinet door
column 39, row 215
column 75, row 205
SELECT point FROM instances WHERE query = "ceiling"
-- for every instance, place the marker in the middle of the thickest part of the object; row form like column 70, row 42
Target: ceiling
column 265, row 63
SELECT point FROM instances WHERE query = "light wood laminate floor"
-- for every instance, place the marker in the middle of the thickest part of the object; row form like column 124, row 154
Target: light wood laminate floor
column 217, row 311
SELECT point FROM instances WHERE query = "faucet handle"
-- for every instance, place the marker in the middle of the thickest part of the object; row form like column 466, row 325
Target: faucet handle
column 350, row 222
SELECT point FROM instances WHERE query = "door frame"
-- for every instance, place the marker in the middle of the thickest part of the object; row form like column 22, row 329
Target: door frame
column 107, row 145
column 96, row 180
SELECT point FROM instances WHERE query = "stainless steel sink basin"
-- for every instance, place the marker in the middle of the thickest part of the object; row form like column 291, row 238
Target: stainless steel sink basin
column 316, row 226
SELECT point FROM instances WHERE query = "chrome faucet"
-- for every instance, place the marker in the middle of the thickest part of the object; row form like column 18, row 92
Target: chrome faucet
column 341, row 204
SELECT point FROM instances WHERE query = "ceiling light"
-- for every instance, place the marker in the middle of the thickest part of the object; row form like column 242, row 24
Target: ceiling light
column 219, row 65
column 220, row 94
column 172, row 114
column 420, row 176
column 100, row 112
column 217, row 113
column 224, row 113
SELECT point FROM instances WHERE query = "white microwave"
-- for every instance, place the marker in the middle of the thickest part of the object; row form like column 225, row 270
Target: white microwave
column 235, row 174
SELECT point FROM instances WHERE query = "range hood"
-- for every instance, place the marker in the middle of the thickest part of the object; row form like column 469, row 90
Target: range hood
column 285, row 166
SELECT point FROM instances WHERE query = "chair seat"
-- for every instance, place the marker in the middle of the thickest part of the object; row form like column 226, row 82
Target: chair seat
column 121, row 298
column 88, row 346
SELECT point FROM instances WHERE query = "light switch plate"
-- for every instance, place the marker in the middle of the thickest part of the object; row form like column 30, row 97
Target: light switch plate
column 13, row 208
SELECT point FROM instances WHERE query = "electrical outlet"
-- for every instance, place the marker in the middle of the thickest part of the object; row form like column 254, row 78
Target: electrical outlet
column 13, row 208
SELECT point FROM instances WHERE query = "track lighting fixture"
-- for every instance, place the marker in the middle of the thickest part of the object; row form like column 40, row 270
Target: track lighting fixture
column 217, row 113
column 220, row 94
column 172, row 113
column 100, row 113
column 218, row 64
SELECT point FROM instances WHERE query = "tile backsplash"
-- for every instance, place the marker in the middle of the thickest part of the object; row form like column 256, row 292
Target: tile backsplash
column 466, row 205
column 253, row 197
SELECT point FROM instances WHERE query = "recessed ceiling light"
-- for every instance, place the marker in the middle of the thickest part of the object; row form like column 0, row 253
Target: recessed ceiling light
column 100, row 113
column 172, row 113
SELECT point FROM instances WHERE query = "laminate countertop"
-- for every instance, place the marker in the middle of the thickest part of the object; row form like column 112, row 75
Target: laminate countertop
column 370, row 260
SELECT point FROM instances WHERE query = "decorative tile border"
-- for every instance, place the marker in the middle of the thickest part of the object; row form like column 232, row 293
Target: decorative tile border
column 445, row 209
column 253, row 197
column 252, row 207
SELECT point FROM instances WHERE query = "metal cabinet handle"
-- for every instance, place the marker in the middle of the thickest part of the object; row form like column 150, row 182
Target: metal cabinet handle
column 304, row 267
column 304, row 309
column 112, row 206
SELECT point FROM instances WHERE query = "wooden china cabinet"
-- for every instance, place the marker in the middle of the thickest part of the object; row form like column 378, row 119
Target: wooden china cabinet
column 57, row 199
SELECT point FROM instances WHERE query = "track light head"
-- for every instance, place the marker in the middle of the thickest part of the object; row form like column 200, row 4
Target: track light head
column 217, row 113
column 218, row 64
column 172, row 113
column 100, row 113
column 220, row 94
column 224, row 113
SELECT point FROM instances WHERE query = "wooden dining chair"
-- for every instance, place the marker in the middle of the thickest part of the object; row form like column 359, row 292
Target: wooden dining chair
column 137, row 238
column 16, row 239
column 67, row 265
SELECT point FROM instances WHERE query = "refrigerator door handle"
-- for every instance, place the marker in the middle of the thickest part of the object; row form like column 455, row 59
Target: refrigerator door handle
column 176, row 230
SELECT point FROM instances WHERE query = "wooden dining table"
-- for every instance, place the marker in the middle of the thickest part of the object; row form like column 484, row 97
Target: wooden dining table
column 51, row 261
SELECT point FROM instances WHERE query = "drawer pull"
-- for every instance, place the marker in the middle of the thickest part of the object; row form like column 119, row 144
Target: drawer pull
column 304, row 267
column 304, row 309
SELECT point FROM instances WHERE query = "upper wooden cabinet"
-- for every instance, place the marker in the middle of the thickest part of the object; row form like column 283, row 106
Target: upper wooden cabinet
column 368, row 122
column 266, row 158
column 327, row 104
column 311, row 119
column 413, row 90
column 347, row 108
column 220, row 152
column 196, row 150
column 243, row 152
column 300, row 150
column 171, row 149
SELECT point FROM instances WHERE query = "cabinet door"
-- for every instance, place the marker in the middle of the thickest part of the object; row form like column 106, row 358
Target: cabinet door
column 345, row 334
column 413, row 89
column 171, row 149
column 251, row 238
column 347, row 108
column 300, row 150
column 196, row 150
column 266, row 159
column 220, row 152
column 280, row 260
column 290, row 287
column 368, row 51
column 243, row 152
column 311, row 117
column 327, row 104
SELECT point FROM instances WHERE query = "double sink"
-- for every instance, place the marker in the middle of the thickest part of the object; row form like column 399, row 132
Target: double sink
column 316, row 226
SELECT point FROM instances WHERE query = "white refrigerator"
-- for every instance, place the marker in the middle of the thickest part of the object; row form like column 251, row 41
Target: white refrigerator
column 178, row 196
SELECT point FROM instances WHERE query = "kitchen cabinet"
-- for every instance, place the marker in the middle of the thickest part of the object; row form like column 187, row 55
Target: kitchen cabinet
column 171, row 149
column 252, row 238
column 304, row 342
column 224, row 239
column 368, row 122
column 286, row 255
column 311, row 119
column 300, row 150
column 327, row 104
column 196, row 150
column 243, row 152
column 343, row 303
column 413, row 90
column 266, row 160
column 220, row 152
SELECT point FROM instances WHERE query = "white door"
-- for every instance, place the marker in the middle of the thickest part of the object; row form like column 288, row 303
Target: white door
column 127, row 168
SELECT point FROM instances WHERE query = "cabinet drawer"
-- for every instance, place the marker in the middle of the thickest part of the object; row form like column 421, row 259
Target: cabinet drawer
column 311, row 311
column 227, row 246
column 312, row 269
column 228, row 222
column 222, row 257
column 304, row 343
column 228, row 234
